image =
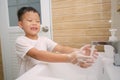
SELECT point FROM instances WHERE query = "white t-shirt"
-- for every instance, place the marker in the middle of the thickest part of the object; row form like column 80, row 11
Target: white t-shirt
column 24, row 44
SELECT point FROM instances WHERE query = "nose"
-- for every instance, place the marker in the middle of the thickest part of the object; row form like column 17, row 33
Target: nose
column 34, row 22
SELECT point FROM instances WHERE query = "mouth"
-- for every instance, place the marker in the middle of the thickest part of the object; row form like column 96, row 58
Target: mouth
column 34, row 28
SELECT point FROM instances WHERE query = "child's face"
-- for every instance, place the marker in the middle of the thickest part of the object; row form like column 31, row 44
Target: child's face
column 30, row 23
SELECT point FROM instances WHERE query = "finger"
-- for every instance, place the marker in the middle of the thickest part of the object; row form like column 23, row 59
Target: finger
column 84, row 57
column 88, row 51
column 90, row 61
column 85, row 65
column 95, row 56
column 88, row 64
column 85, row 47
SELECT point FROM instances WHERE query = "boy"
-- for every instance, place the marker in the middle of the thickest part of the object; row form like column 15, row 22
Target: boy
column 32, row 48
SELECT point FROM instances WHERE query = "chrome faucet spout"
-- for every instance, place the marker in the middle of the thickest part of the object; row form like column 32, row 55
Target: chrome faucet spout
column 101, row 43
column 113, row 44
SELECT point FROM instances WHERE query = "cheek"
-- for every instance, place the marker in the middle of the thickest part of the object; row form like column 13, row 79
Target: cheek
column 39, row 27
column 26, row 26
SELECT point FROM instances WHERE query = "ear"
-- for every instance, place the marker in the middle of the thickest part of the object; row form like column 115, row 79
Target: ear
column 20, row 24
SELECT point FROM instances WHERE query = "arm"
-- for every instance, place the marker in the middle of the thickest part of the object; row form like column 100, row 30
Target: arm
column 48, row 56
column 51, row 57
column 63, row 49
column 85, row 50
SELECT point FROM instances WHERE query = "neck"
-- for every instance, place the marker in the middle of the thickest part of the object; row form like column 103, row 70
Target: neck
column 32, row 37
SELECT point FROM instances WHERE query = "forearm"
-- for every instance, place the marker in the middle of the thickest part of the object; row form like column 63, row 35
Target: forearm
column 48, row 56
column 52, row 57
column 67, row 49
column 64, row 49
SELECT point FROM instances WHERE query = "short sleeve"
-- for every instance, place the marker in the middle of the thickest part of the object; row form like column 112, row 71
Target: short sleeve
column 50, row 44
column 22, row 47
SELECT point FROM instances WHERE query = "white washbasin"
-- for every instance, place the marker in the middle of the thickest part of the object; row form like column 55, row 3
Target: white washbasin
column 66, row 71
column 103, row 69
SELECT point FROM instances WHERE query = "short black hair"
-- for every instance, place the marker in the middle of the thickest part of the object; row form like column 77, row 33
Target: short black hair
column 23, row 10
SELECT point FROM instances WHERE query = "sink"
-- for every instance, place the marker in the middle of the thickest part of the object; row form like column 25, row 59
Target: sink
column 64, row 71
column 67, row 71
column 102, row 69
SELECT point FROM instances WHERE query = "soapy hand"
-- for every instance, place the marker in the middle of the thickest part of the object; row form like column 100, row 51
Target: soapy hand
column 86, row 56
column 84, row 61
column 83, row 58
column 87, row 50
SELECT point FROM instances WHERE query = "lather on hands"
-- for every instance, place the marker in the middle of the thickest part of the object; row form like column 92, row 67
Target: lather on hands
column 83, row 58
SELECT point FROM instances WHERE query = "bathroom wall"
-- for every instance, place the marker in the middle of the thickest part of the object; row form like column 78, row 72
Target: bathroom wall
column 116, row 16
column 78, row 22
column 1, row 69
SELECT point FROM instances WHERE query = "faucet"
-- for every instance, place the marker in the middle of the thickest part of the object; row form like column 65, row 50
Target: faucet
column 115, row 45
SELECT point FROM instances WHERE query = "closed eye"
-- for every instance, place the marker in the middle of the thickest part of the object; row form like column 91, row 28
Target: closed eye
column 38, row 21
column 29, row 20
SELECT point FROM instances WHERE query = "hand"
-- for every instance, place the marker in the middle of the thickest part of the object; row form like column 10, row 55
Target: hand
column 85, row 64
column 81, row 60
column 85, row 61
column 72, row 58
column 76, row 58
column 86, row 50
